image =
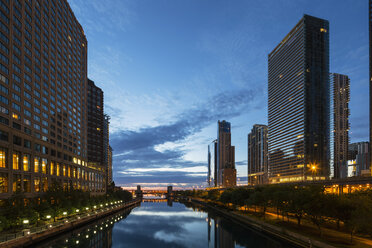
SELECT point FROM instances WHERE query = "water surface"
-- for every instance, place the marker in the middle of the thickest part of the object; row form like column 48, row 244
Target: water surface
column 164, row 224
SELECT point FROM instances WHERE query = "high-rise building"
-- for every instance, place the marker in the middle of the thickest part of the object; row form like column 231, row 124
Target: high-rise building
column 298, row 107
column 358, row 159
column 257, row 155
column 43, row 99
column 95, row 126
column 370, row 80
column 109, row 166
column 339, row 124
column 107, row 150
column 225, row 156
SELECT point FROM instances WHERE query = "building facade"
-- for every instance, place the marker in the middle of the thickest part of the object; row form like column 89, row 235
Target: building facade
column 43, row 93
column 257, row 155
column 95, row 126
column 358, row 159
column 298, row 107
column 107, row 149
column 339, row 125
column 225, row 156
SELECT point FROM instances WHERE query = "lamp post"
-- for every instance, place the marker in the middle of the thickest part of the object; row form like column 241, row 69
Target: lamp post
column 313, row 168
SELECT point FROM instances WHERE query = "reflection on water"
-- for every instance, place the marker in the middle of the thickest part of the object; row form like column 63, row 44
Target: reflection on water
column 163, row 224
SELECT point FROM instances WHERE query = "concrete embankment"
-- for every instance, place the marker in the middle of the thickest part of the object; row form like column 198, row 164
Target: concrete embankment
column 266, row 228
column 34, row 238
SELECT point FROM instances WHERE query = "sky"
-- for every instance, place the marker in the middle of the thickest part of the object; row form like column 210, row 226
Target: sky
column 171, row 69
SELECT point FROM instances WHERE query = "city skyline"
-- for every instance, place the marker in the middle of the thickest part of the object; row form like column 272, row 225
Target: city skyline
column 184, row 151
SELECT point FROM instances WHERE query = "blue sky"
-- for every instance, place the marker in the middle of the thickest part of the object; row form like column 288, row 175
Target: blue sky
column 171, row 69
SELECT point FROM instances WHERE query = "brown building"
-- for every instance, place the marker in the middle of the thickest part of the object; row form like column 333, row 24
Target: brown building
column 339, row 119
column 225, row 156
column 257, row 155
column 43, row 94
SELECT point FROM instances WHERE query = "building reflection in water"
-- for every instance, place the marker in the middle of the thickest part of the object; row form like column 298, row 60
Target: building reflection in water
column 218, row 237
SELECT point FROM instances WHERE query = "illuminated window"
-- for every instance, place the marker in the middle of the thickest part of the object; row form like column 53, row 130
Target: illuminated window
column 74, row 172
column 69, row 171
column 44, row 162
column 26, row 162
column 15, row 161
column 37, row 184
column 51, row 168
column 64, row 170
column 323, row 30
column 15, row 116
column 57, row 169
column 36, row 164
column 3, row 153
column 17, row 183
column 3, row 182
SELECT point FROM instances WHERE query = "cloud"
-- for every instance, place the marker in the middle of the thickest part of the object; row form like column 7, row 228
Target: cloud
column 137, row 151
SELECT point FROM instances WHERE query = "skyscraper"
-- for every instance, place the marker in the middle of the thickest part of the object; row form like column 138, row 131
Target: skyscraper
column 257, row 155
column 95, row 126
column 339, row 124
column 43, row 99
column 298, row 107
column 107, row 150
column 225, row 156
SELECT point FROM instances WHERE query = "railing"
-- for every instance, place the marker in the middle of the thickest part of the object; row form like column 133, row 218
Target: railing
column 62, row 222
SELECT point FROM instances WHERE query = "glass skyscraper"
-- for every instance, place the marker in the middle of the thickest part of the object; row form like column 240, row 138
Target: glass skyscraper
column 298, row 107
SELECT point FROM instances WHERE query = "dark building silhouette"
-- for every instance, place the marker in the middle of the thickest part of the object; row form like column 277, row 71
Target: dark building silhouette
column 43, row 100
column 257, row 155
column 298, row 107
column 95, row 126
column 226, row 171
column 339, row 119
column 107, row 149
column 358, row 158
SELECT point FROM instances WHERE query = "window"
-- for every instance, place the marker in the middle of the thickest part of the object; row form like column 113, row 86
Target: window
column 3, row 182
column 15, row 160
column 57, row 169
column 3, row 136
column 44, row 163
column 26, row 162
column 17, row 140
column 37, row 184
column 45, row 184
column 27, row 144
column 27, row 184
column 51, row 167
column 16, row 183
column 3, row 154
column 36, row 164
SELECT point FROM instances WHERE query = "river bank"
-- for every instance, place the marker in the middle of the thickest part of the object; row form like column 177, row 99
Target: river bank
column 262, row 226
column 27, row 238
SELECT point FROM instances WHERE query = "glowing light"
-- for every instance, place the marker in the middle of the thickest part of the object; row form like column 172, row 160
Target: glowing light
column 26, row 221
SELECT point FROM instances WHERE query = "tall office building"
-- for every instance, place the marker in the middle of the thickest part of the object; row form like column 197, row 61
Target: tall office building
column 257, row 155
column 95, row 126
column 298, row 107
column 225, row 156
column 43, row 99
column 107, row 150
column 339, row 124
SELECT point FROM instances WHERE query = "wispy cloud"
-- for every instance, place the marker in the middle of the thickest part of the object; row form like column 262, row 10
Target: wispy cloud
column 138, row 154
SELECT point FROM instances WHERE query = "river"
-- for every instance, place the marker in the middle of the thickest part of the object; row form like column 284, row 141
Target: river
column 163, row 224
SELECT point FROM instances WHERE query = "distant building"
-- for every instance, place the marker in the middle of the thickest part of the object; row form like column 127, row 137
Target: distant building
column 109, row 167
column 298, row 104
column 339, row 119
column 107, row 150
column 257, row 155
column 358, row 159
column 225, row 156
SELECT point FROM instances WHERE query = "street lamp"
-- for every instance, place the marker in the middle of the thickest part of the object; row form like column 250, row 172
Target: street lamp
column 48, row 216
column 313, row 168
column 26, row 221
column 64, row 213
